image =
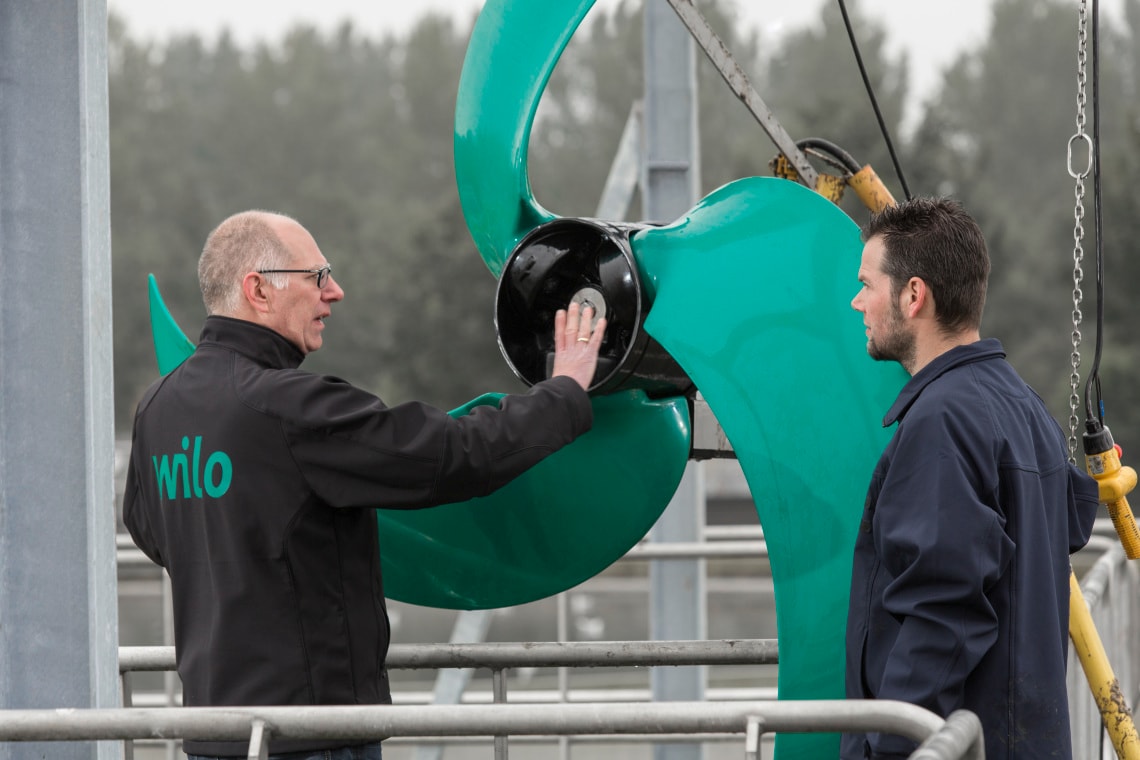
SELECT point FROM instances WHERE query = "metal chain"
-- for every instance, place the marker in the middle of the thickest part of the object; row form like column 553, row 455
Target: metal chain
column 1078, row 228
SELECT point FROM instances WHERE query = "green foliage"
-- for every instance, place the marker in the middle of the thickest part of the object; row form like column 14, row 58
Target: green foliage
column 353, row 136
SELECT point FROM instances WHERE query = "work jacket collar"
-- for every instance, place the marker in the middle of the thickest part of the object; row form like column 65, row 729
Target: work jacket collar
column 263, row 345
column 987, row 348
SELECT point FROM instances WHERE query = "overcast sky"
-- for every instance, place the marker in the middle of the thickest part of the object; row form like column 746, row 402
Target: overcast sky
column 932, row 31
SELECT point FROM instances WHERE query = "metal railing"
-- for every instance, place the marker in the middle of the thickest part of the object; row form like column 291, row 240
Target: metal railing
column 1110, row 588
column 498, row 658
column 957, row 737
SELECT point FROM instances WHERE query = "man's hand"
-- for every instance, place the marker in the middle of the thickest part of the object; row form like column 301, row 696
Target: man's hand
column 576, row 345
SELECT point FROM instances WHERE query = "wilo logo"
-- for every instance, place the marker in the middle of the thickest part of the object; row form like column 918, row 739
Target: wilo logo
column 215, row 477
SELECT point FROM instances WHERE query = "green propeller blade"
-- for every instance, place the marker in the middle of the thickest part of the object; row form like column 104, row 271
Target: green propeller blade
column 171, row 346
column 750, row 294
column 556, row 525
column 584, row 507
column 560, row 523
column 752, row 299
column 510, row 56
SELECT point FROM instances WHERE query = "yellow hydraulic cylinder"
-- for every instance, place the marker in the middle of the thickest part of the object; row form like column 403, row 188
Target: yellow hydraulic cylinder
column 1105, row 688
column 870, row 189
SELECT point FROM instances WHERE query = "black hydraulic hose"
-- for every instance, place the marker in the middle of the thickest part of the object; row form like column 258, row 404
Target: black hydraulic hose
column 1094, row 412
column 845, row 159
column 874, row 100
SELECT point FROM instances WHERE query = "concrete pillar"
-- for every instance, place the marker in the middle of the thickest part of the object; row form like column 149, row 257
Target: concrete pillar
column 58, row 605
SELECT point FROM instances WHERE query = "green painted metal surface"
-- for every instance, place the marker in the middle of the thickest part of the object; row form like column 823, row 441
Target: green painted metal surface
column 171, row 346
column 510, row 56
column 752, row 293
column 559, row 523
column 636, row 444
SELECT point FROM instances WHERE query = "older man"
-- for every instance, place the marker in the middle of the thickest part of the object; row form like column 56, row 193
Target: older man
column 254, row 483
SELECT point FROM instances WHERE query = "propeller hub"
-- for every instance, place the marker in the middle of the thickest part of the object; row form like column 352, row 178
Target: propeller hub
column 593, row 298
column 590, row 262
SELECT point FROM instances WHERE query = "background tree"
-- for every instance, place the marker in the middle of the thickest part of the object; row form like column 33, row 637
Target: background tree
column 1120, row 160
column 353, row 136
column 349, row 135
column 995, row 136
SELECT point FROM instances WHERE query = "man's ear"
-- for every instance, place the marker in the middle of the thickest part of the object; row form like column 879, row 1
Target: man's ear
column 255, row 290
column 915, row 295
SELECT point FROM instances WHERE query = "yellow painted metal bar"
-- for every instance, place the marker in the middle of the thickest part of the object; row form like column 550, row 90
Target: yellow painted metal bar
column 1105, row 688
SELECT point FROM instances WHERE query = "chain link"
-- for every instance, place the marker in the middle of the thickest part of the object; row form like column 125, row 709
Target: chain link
column 1078, row 229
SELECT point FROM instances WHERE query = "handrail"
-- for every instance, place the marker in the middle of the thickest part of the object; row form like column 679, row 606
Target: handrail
column 375, row 722
column 958, row 737
column 548, row 654
column 952, row 740
column 720, row 549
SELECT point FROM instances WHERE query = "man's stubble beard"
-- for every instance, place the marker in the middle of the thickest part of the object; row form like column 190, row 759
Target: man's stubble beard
column 898, row 345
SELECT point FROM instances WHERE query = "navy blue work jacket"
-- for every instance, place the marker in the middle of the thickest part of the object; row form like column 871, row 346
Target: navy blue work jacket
column 960, row 583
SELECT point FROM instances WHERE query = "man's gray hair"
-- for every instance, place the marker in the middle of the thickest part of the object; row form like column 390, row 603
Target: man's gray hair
column 243, row 243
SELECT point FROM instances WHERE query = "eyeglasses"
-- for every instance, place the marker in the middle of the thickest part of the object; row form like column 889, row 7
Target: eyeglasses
column 322, row 273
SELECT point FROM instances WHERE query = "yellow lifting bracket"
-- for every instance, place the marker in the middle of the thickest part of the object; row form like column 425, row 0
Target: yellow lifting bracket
column 1115, row 482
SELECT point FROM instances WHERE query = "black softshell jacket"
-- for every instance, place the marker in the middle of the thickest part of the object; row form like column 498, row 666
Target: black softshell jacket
column 254, row 484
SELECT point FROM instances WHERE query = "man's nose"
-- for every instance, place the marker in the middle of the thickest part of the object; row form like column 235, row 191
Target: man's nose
column 332, row 291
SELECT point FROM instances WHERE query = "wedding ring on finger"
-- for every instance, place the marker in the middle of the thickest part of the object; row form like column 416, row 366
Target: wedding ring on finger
column 583, row 339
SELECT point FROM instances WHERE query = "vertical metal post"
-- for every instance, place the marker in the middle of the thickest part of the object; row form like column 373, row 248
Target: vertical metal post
column 752, row 734
column 170, row 681
column 499, row 689
column 58, row 605
column 563, row 623
column 670, row 188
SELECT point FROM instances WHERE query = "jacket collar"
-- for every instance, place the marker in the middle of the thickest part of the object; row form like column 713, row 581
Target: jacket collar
column 259, row 343
column 987, row 348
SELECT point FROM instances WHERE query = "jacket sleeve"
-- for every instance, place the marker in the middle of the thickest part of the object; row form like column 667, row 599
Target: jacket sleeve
column 1084, row 500
column 135, row 516
column 944, row 546
column 355, row 451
